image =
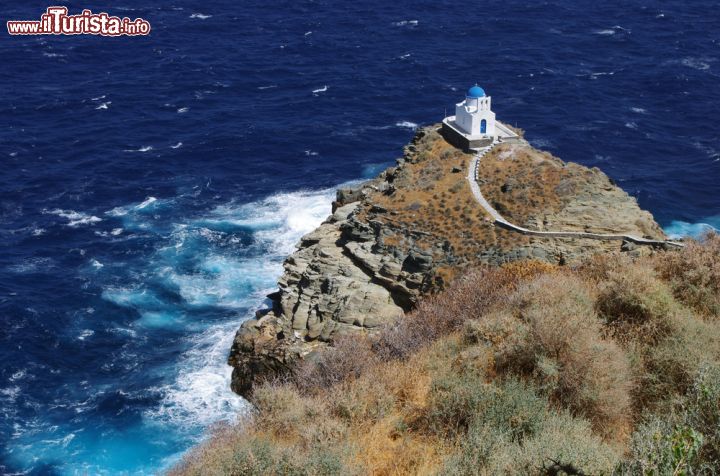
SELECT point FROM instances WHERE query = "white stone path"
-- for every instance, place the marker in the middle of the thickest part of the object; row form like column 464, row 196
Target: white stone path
column 500, row 221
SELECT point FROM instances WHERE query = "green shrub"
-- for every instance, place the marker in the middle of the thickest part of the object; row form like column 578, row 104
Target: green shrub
column 684, row 440
column 661, row 448
column 549, row 440
column 670, row 366
column 459, row 401
column 261, row 457
column 559, row 344
column 236, row 454
column 703, row 411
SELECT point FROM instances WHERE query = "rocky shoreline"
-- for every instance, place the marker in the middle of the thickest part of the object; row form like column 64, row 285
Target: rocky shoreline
column 415, row 227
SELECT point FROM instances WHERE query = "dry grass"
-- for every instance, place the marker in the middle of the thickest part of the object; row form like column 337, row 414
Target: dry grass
column 524, row 369
column 636, row 305
column 510, row 165
column 550, row 333
column 348, row 358
column 438, row 202
column 694, row 274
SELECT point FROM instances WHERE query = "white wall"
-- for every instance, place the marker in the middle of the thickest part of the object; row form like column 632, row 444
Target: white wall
column 470, row 113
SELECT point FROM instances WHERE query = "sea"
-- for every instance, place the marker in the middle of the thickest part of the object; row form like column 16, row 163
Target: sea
column 151, row 186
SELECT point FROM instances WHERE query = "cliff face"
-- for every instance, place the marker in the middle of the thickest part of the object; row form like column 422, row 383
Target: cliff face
column 416, row 226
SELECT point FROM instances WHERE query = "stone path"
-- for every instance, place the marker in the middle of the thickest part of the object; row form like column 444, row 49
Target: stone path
column 500, row 221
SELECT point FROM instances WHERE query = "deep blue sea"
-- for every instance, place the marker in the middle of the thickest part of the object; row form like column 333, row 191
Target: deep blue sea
column 150, row 187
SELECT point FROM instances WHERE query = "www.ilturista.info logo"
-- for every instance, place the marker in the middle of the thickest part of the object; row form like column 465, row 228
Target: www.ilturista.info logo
column 56, row 21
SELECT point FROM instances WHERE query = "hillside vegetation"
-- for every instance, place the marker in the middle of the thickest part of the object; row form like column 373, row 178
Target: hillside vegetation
column 608, row 367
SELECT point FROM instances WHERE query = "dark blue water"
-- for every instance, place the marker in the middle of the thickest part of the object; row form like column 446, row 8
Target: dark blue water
column 151, row 187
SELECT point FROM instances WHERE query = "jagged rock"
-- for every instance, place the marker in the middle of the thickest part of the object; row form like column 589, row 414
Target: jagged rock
column 417, row 262
column 409, row 231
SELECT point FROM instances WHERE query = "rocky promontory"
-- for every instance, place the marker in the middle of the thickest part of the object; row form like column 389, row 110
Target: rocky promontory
column 415, row 227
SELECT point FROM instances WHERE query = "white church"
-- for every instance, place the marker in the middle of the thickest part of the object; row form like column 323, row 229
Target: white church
column 474, row 125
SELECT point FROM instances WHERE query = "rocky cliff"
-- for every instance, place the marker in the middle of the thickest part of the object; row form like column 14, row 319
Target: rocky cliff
column 416, row 226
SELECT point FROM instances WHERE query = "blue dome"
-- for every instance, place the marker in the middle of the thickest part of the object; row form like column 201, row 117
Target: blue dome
column 476, row 92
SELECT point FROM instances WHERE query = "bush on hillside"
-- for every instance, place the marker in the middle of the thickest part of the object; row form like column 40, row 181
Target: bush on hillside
column 514, row 431
column 694, row 274
column 237, row 451
column 284, row 413
column 440, row 315
column 598, row 267
column 558, row 342
column 636, row 305
column 458, row 401
column 669, row 367
column 469, row 297
column 347, row 359
column 685, row 440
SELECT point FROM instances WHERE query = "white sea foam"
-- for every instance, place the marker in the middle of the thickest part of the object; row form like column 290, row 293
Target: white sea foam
column 711, row 152
column 406, row 124
column 612, row 30
column 146, row 148
column 104, row 105
column 19, row 375
column 176, row 146
column 540, row 142
column 147, row 202
column 113, row 232
column 638, row 110
column 133, row 298
column 30, row 265
column 160, row 319
column 85, row 333
column 700, row 64
column 10, row 392
column 200, row 16
column 74, row 218
column 291, row 216
column 320, row 90
column 200, row 394
column 222, row 281
column 631, row 125
column 679, row 229
column 183, row 110
column 406, row 23
column 601, row 73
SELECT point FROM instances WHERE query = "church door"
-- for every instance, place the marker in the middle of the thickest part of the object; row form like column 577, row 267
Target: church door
column 483, row 126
